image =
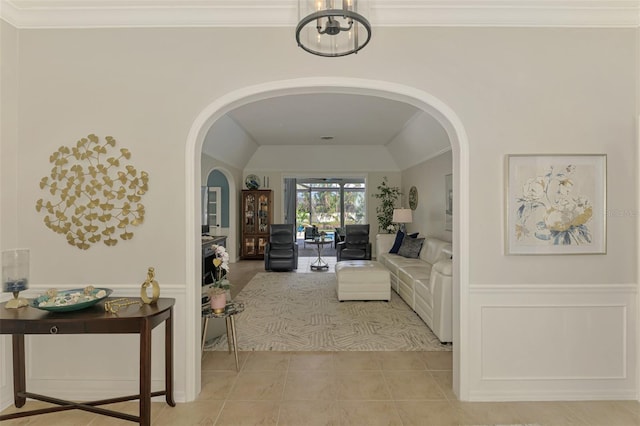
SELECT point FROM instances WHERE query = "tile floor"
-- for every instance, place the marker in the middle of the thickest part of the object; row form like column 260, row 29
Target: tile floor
column 341, row 388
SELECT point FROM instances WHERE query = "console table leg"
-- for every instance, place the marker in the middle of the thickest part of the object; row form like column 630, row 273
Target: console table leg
column 19, row 382
column 168, row 359
column 145, row 374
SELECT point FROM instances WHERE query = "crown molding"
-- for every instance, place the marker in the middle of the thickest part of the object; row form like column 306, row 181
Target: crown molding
column 283, row 13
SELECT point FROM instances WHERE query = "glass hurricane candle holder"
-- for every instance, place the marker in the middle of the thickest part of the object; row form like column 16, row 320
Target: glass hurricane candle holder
column 15, row 275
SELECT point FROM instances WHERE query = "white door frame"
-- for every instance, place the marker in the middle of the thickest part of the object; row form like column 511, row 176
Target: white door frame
column 406, row 94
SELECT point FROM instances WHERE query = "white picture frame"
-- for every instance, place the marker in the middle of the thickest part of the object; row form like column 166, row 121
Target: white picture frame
column 556, row 204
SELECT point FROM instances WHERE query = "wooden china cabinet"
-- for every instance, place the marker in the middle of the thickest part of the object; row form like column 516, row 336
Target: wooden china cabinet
column 256, row 222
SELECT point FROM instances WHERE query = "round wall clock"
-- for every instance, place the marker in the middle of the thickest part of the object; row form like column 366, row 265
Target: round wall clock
column 413, row 198
column 252, row 182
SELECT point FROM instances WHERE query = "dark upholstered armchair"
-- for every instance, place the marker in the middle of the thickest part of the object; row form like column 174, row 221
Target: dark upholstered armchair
column 281, row 252
column 356, row 245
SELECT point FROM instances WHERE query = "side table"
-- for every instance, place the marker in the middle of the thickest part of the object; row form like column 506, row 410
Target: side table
column 319, row 264
column 230, row 310
column 92, row 320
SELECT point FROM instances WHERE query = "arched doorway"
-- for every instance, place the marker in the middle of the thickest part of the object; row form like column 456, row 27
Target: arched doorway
column 419, row 99
column 229, row 211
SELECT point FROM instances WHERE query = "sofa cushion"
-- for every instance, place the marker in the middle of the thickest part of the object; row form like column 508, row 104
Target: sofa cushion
column 411, row 247
column 432, row 250
column 394, row 262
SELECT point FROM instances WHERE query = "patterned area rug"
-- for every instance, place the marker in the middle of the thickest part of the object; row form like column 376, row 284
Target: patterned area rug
column 301, row 312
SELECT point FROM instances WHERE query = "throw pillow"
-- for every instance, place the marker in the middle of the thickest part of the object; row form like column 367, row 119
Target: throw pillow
column 399, row 237
column 411, row 247
column 397, row 242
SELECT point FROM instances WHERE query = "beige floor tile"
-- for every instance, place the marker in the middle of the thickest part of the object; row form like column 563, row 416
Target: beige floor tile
column 547, row 413
column 600, row 413
column 310, row 385
column 66, row 418
column 305, row 361
column 200, row 413
column 408, row 385
column 258, row 385
column 29, row 405
column 485, row 413
column 402, row 360
column 267, row 361
column 356, row 361
column 307, row 413
column 633, row 406
column 222, row 361
column 439, row 360
column 421, row 413
column 361, row 385
column 369, row 413
column 444, row 379
column 217, row 384
column 130, row 407
column 249, row 413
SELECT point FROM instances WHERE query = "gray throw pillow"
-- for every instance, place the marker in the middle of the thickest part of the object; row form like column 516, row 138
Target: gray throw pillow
column 411, row 247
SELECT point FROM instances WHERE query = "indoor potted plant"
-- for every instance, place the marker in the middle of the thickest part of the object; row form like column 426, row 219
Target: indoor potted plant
column 388, row 195
column 220, row 290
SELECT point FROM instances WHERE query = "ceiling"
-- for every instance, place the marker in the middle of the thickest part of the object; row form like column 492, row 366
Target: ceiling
column 272, row 13
column 306, row 119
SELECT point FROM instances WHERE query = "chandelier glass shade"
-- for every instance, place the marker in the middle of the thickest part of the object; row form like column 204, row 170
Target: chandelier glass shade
column 332, row 27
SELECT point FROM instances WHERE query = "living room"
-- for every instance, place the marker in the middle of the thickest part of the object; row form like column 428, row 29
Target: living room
column 550, row 88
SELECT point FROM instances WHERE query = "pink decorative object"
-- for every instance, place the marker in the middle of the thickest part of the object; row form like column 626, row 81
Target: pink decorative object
column 218, row 302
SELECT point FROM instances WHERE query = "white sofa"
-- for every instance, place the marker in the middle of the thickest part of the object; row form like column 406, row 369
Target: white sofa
column 425, row 283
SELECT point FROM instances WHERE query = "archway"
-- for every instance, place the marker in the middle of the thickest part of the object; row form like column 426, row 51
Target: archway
column 419, row 99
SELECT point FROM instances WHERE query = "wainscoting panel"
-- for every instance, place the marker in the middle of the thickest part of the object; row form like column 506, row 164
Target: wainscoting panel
column 86, row 367
column 564, row 342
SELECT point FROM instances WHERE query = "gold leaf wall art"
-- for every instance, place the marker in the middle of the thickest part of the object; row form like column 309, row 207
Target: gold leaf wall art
column 91, row 195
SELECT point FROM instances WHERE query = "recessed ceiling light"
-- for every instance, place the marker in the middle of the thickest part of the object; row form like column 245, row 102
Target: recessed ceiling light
column 326, row 138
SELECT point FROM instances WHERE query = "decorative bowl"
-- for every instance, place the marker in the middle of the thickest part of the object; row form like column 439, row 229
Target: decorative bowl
column 66, row 301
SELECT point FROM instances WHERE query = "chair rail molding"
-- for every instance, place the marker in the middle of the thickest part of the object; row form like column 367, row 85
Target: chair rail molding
column 279, row 13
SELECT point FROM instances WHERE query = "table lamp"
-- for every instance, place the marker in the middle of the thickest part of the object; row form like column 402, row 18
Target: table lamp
column 402, row 216
column 15, row 276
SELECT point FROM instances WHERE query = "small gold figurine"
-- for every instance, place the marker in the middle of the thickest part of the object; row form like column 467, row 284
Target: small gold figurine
column 155, row 286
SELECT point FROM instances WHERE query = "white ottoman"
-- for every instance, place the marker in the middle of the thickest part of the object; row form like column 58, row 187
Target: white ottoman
column 362, row 280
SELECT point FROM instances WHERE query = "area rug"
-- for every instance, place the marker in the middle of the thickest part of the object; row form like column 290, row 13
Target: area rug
column 301, row 312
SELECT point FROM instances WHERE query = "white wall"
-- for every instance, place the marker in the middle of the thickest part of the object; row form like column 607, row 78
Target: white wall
column 429, row 179
column 514, row 90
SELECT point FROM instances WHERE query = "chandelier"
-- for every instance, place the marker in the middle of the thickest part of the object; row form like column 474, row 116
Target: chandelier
column 331, row 27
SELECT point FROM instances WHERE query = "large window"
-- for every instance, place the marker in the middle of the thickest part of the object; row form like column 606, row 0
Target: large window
column 330, row 203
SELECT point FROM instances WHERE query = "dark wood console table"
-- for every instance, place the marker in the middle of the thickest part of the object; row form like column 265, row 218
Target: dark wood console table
column 92, row 320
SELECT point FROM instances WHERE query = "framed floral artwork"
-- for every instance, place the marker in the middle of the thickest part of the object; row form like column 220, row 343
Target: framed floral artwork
column 556, row 204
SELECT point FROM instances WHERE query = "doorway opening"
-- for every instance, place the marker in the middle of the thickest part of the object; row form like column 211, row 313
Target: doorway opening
column 422, row 100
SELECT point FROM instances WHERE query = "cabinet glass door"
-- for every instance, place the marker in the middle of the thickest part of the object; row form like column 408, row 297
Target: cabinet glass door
column 263, row 213
column 250, row 246
column 249, row 213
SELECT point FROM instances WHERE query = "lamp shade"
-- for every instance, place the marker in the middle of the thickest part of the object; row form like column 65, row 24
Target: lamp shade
column 402, row 216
